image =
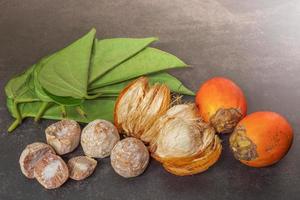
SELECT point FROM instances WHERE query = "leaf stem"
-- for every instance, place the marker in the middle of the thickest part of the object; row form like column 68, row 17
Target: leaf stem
column 19, row 118
column 17, row 111
column 63, row 111
column 81, row 111
column 13, row 126
column 93, row 96
column 41, row 111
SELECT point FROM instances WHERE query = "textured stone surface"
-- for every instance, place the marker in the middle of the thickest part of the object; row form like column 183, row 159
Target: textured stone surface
column 255, row 43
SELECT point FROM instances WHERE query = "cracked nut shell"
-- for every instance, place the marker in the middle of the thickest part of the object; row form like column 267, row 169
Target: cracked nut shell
column 139, row 105
column 98, row 138
column 81, row 167
column 31, row 155
column 63, row 136
column 129, row 157
column 51, row 171
column 183, row 143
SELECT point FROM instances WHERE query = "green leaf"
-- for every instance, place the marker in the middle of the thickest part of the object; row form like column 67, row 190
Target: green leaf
column 26, row 91
column 82, row 80
column 17, row 90
column 10, row 105
column 14, row 85
column 66, row 72
column 94, row 109
column 37, row 86
column 21, row 94
column 172, row 82
column 26, row 96
column 66, row 101
column 30, row 82
column 42, row 94
column 162, row 77
column 148, row 61
column 109, row 53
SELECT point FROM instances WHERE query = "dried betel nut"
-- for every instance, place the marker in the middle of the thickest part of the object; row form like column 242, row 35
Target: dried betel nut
column 63, row 136
column 130, row 157
column 81, row 167
column 31, row 155
column 98, row 138
column 51, row 171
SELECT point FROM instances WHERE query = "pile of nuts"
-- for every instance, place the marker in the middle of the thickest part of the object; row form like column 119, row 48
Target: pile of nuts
column 99, row 139
column 183, row 137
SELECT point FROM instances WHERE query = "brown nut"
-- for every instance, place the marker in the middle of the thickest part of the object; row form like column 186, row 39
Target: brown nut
column 63, row 136
column 31, row 155
column 51, row 171
column 98, row 138
column 81, row 167
column 129, row 157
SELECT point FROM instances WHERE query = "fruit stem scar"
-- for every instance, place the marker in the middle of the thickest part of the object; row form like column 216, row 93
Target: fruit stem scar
column 225, row 120
column 243, row 147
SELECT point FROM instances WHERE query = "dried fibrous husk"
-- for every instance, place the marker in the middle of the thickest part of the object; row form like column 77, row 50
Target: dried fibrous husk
column 198, row 165
column 182, row 142
column 139, row 105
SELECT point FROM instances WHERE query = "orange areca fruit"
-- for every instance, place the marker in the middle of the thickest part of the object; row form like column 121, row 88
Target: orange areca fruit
column 261, row 139
column 222, row 103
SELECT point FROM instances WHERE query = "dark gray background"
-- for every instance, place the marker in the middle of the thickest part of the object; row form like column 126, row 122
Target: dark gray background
column 255, row 43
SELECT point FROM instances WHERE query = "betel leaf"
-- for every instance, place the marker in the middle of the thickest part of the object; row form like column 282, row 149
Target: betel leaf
column 66, row 101
column 18, row 91
column 108, row 53
column 23, row 95
column 82, row 80
column 148, row 61
column 94, row 109
column 14, row 85
column 26, row 95
column 172, row 82
column 10, row 107
column 45, row 96
column 37, row 86
column 161, row 77
column 30, row 82
column 66, row 73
